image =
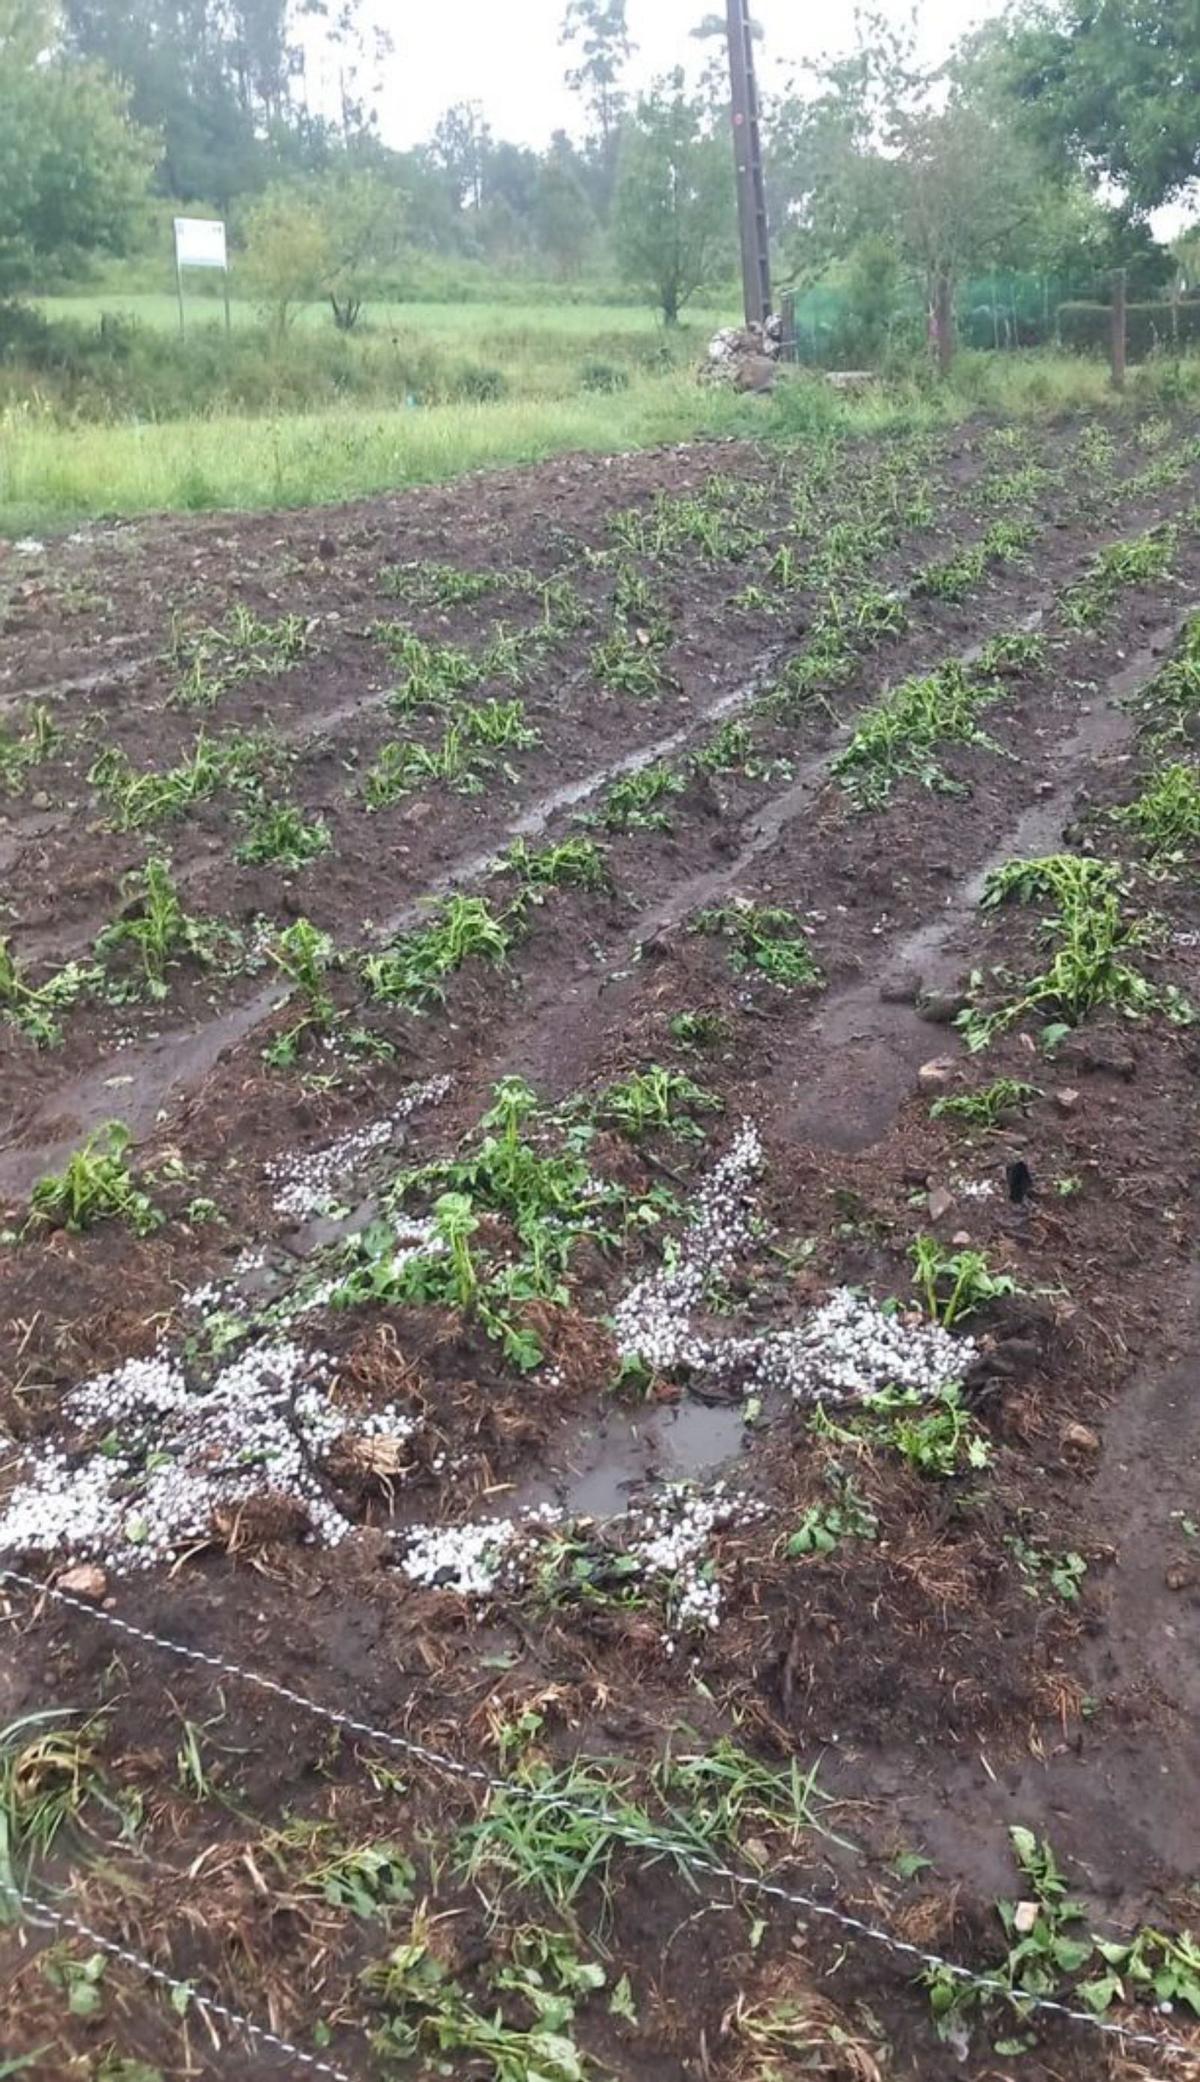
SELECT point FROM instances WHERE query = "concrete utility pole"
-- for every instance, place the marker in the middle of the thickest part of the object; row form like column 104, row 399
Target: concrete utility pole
column 747, row 158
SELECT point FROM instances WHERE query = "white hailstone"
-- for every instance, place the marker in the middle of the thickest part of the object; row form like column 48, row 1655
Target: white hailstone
column 976, row 1188
column 653, row 1320
column 851, row 1347
column 306, row 1178
column 670, row 1540
column 170, row 1453
column 471, row 1559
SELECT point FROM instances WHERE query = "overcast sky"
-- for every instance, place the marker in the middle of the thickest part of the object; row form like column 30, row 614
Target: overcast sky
column 506, row 55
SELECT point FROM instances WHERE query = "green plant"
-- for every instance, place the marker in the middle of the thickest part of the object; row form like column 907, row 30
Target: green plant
column 305, row 955
column 823, row 1526
column 156, row 926
column 574, row 863
column 239, row 759
column 430, row 2016
column 1017, row 651
column 212, row 660
column 765, row 938
column 49, row 1770
column 96, row 1185
column 699, row 1029
column 1166, row 815
column 1064, row 1571
column 630, row 662
column 413, row 969
column 432, row 674
column 901, row 733
column 955, row 1284
column 368, row 1878
column 938, row 1437
column 1164, row 1969
column 33, row 1008
column 989, row 1107
column 1090, row 938
column 1119, row 564
column 634, row 803
column 39, row 741
column 653, row 1100
column 279, row 835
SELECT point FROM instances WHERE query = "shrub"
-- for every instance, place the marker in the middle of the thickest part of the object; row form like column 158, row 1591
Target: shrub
column 478, row 385
column 599, row 375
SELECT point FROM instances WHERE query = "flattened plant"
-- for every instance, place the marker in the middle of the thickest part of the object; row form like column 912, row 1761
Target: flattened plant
column 656, row 1100
column 97, row 1184
column 413, row 970
column 767, row 939
column 636, row 802
column 155, row 926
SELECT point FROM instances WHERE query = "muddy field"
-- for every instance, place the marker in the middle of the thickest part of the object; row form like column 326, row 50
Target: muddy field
column 598, row 1330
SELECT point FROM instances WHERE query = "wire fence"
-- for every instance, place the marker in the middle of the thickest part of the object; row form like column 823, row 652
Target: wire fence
column 697, row 1862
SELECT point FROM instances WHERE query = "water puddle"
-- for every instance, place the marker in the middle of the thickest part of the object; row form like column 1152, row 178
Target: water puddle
column 596, row 1466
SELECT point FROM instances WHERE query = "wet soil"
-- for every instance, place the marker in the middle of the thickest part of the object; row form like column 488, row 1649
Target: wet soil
column 942, row 1698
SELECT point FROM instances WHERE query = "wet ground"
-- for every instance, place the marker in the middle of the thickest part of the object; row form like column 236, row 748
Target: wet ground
column 942, row 1686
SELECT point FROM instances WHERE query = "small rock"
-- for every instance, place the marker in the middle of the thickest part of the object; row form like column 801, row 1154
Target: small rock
column 1066, row 1098
column 934, row 1076
column 85, row 1580
column 39, row 800
column 1080, row 1438
column 941, row 1203
column 1025, row 1917
column 1179, row 1579
column 961, row 1239
column 942, row 1007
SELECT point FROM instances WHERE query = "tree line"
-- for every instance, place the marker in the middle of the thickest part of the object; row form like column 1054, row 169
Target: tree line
column 1044, row 142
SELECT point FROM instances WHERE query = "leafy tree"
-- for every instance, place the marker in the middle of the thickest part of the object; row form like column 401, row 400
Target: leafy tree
column 288, row 256
column 599, row 31
column 461, row 146
column 563, row 217
column 362, row 218
column 74, row 169
column 672, row 219
column 1113, row 86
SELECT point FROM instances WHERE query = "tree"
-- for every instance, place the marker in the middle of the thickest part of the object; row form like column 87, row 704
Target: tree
column 562, row 217
column 598, row 28
column 362, row 220
column 1112, row 87
column 673, row 221
column 288, row 256
column 74, row 169
column 461, row 146
column 876, row 155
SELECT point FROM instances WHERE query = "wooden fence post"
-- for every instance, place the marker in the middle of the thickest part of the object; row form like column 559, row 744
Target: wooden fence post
column 1119, row 322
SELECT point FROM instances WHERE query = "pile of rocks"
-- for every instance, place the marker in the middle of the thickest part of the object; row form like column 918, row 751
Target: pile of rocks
column 746, row 356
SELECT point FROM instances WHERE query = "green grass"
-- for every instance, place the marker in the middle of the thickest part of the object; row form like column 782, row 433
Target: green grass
column 53, row 476
column 484, row 328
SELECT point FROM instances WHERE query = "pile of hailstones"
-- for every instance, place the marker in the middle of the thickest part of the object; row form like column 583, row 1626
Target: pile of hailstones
column 163, row 1457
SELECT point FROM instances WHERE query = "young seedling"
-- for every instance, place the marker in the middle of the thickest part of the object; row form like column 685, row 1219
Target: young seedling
column 239, row 759
column 97, row 1185
column 699, row 1030
column 1166, row 815
column 413, row 970
column 634, row 803
column 212, row 660
column 1090, row 938
column 34, row 1009
column 955, row 1284
column 765, row 938
column 990, row 1107
column 1119, row 565
column 39, row 741
column 901, row 734
column 571, row 864
column 305, row 955
column 279, row 835
column 1063, row 1571
column 656, row 1100
column 156, row 926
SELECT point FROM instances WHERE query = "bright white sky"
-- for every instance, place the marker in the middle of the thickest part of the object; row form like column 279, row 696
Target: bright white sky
column 505, row 54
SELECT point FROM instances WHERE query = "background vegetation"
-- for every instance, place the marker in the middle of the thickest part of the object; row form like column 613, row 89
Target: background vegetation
column 985, row 205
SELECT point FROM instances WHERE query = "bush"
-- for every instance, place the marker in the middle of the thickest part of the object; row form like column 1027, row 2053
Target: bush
column 24, row 335
column 603, row 376
column 479, row 385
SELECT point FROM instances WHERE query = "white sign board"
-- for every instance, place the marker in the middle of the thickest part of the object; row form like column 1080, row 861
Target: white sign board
column 200, row 242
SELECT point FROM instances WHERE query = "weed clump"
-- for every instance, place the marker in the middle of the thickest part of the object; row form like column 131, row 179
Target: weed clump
column 765, row 938
column 96, row 1185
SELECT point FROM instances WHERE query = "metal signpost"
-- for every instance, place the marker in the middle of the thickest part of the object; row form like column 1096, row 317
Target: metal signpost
column 200, row 242
column 747, row 156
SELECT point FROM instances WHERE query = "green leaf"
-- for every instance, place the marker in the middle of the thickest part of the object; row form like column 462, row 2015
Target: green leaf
column 621, row 2003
